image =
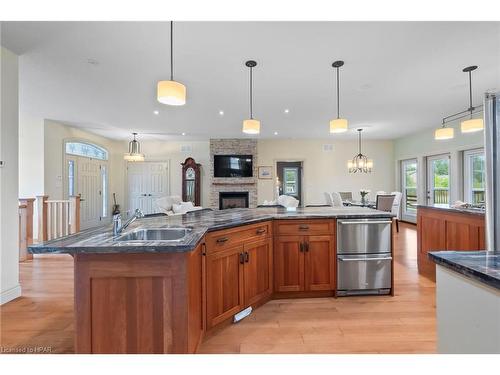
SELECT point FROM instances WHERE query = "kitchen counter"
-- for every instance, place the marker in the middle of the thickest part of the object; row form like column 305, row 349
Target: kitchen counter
column 481, row 266
column 101, row 239
column 447, row 207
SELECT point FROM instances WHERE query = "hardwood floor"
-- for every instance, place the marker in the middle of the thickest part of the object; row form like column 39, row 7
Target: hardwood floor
column 405, row 323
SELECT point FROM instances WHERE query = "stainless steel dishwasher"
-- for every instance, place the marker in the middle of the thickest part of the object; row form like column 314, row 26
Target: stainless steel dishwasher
column 364, row 259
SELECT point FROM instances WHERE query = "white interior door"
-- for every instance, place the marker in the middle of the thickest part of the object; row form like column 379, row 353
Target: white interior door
column 146, row 182
column 89, row 183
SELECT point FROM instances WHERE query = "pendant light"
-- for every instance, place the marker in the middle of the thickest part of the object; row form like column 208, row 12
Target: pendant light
column 251, row 125
column 467, row 126
column 338, row 125
column 171, row 92
column 134, row 151
column 360, row 163
column 471, row 125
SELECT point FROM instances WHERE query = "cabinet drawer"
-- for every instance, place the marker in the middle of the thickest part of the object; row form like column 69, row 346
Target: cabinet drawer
column 299, row 227
column 226, row 238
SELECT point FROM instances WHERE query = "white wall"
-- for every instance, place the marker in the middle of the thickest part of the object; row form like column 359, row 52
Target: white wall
column 327, row 170
column 422, row 144
column 171, row 151
column 9, row 216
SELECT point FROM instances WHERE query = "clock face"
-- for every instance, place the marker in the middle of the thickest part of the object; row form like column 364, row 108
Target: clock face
column 190, row 174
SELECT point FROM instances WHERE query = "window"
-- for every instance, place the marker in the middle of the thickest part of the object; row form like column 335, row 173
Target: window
column 291, row 177
column 86, row 149
column 474, row 176
column 104, row 190
column 71, row 178
column 409, row 188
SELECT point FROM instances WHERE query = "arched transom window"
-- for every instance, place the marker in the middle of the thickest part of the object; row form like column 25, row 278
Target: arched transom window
column 86, row 149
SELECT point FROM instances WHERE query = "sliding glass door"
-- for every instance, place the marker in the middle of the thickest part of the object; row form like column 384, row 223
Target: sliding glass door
column 438, row 179
column 409, row 178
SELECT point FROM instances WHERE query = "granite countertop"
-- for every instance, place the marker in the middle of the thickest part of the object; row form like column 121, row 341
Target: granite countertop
column 482, row 266
column 447, row 207
column 101, row 239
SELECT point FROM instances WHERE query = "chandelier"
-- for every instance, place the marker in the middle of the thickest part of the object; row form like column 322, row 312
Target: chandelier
column 360, row 163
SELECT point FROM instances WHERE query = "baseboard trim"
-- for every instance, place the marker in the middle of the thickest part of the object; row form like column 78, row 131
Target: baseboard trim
column 10, row 294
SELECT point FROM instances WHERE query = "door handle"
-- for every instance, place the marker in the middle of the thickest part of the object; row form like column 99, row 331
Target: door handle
column 242, row 258
column 247, row 256
column 364, row 222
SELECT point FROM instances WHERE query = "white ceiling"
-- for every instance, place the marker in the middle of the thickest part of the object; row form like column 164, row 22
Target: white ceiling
column 398, row 77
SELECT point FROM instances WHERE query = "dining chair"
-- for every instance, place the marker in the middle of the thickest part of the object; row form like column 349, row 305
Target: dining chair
column 384, row 202
column 396, row 207
column 336, row 200
column 346, row 196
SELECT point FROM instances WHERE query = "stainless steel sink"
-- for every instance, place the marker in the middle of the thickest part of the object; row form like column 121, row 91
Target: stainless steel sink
column 164, row 234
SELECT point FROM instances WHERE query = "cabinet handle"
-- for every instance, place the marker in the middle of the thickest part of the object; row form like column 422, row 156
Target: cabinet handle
column 247, row 256
column 306, row 246
column 260, row 231
column 301, row 247
column 242, row 258
column 222, row 239
column 303, row 227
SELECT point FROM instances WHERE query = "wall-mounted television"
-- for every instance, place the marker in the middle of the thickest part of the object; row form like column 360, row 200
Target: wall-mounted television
column 233, row 166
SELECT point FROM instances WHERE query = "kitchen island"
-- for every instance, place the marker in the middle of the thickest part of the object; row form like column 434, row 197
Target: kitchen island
column 467, row 301
column 441, row 227
column 162, row 296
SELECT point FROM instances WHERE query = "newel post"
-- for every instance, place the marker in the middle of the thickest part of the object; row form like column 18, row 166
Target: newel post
column 41, row 201
column 74, row 202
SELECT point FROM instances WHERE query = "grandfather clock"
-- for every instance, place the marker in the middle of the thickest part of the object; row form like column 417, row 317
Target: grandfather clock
column 191, row 181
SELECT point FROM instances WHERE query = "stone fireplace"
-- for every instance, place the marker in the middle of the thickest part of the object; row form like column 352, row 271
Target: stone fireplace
column 233, row 199
column 241, row 185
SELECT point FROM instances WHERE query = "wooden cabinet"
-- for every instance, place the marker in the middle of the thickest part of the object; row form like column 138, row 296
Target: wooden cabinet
column 237, row 275
column 224, row 278
column 444, row 229
column 289, row 264
column 304, row 263
column 257, row 271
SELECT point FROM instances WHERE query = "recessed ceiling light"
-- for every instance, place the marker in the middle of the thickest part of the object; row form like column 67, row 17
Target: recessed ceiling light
column 156, row 112
column 221, row 113
column 287, row 110
column 183, row 133
column 275, row 133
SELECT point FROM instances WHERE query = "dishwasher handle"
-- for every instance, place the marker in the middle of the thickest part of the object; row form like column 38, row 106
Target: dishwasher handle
column 362, row 259
column 364, row 222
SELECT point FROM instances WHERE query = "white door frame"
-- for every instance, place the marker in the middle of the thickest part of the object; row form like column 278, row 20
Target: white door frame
column 126, row 188
column 404, row 214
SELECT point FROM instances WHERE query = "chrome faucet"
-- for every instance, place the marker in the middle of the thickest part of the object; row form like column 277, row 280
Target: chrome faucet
column 118, row 227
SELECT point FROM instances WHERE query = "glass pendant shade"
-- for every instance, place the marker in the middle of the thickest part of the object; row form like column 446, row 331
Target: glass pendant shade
column 251, row 126
column 171, row 93
column 338, row 125
column 472, row 125
column 444, row 133
column 134, row 151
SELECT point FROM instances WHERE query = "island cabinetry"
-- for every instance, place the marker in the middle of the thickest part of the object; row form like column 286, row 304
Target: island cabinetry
column 446, row 229
column 237, row 275
column 138, row 303
column 304, row 263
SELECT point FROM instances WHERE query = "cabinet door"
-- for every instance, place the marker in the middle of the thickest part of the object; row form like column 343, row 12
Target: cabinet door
column 224, row 284
column 319, row 263
column 257, row 271
column 288, row 264
column 432, row 233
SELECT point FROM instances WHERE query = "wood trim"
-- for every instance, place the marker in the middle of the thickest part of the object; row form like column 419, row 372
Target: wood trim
column 41, row 201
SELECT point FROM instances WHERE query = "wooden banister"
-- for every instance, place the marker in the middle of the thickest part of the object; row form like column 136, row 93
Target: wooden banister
column 74, row 219
column 41, row 201
column 25, row 227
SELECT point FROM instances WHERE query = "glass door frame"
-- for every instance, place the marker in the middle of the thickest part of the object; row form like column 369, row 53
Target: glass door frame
column 430, row 177
column 406, row 215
